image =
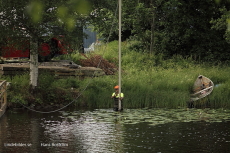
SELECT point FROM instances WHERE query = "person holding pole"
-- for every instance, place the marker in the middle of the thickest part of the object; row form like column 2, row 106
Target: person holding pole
column 116, row 97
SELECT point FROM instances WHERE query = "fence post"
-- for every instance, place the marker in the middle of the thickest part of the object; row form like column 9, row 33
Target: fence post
column 5, row 92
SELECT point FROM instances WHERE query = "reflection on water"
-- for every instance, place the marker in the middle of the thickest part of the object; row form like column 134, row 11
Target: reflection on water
column 144, row 130
column 85, row 133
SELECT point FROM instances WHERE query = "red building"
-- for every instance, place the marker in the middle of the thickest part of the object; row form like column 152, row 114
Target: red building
column 19, row 47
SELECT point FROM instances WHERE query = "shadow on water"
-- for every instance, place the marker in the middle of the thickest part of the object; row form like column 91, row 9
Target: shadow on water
column 102, row 130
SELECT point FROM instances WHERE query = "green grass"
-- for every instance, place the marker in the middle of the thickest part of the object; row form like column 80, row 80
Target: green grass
column 50, row 90
column 151, row 81
column 147, row 81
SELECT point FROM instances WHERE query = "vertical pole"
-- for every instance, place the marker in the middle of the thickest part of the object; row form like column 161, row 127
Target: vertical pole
column 33, row 63
column 119, row 77
column 5, row 92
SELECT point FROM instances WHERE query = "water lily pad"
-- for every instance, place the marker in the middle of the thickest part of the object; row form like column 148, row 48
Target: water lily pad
column 152, row 116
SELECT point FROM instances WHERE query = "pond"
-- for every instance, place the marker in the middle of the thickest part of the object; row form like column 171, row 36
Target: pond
column 102, row 130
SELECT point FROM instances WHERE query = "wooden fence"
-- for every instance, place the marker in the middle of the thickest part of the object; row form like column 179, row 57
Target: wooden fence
column 3, row 96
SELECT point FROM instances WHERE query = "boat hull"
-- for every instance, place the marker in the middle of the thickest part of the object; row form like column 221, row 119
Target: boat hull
column 202, row 87
column 3, row 109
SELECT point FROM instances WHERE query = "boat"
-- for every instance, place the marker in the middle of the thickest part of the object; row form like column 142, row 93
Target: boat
column 202, row 87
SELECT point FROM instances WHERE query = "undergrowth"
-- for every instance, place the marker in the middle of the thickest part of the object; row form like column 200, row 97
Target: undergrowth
column 147, row 81
column 152, row 81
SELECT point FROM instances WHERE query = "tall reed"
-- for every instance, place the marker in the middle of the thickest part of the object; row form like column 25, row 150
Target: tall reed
column 147, row 81
column 150, row 82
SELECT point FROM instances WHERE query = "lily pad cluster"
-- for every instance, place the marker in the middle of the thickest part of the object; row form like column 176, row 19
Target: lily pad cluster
column 150, row 116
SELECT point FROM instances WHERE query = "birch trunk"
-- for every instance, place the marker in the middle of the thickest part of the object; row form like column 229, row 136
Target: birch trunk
column 33, row 64
column 152, row 41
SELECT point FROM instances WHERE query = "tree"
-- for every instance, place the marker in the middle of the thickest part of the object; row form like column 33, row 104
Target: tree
column 37, row 18
column 137, row 19
column 222, row 23
column 103, row 18
column 187, row 28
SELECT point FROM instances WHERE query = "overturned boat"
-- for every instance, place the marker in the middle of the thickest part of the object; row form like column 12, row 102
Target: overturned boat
column 202, row 87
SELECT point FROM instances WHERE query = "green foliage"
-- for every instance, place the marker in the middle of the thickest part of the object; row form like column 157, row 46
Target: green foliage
column 187, row 38
column 45, row 81
column 19, row 88
column 71, row 10
column 35, row 9
column 152, row 81
column 18, row 99
column 98, row 92
column 45, row 18
column 74, row 56
column 51, row 91
column 66, row 83
column 137, row 46
column 195, row 29
column 147, row 81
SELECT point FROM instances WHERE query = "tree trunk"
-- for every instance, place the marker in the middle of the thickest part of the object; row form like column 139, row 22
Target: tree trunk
column 152, row 41
column 152, row 36
column 33, row 63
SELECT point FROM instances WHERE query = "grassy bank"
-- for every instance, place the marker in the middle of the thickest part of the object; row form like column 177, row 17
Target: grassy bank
column 50, row 94
column 151, row 81
column 159, row 88
column 147, row 81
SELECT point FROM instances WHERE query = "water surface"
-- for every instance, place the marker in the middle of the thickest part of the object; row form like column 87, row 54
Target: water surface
column 102, row 130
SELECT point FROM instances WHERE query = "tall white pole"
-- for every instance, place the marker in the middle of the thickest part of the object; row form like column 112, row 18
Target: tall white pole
column 119, row 76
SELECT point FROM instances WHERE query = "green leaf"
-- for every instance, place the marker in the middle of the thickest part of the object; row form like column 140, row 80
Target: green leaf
column 35, row 10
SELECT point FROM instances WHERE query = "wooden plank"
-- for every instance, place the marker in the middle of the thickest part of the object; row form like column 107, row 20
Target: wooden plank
column 3, row 97
column 15, row 68
column 11, row 69
column 13, row 72
column 65, row 74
